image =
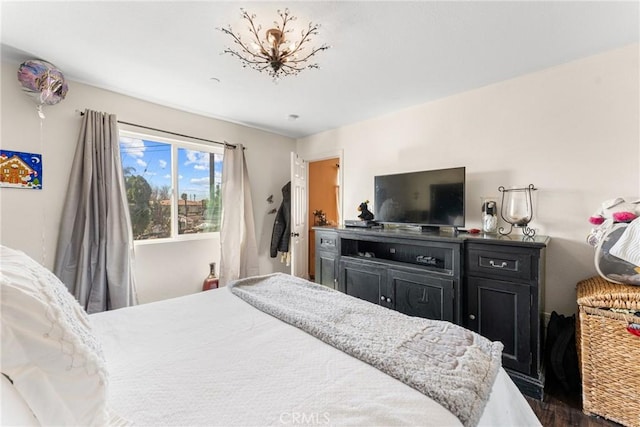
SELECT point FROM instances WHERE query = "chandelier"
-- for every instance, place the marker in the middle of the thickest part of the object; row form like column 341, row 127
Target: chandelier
column 274, row 54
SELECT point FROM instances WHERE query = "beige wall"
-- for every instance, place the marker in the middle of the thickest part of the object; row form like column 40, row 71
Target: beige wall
column 571, row 130
column 30, row 219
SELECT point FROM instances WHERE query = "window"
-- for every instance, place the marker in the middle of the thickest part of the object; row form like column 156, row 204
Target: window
column 173, row 187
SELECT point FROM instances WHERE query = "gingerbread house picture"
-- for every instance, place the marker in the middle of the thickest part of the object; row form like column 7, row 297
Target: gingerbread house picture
column 20, row 170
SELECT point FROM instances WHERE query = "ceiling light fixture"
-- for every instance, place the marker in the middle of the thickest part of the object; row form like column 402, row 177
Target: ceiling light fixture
column 275, row 54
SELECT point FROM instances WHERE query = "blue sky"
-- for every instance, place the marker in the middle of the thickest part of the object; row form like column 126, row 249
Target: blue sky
column 152, row 160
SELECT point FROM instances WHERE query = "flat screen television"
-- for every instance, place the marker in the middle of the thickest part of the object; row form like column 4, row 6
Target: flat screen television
column 431, row 198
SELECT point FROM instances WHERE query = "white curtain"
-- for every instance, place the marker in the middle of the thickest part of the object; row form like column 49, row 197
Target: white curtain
column 239, row 251
column 94, row 256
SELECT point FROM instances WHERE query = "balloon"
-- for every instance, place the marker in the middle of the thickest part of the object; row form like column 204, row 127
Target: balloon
column 42, row 81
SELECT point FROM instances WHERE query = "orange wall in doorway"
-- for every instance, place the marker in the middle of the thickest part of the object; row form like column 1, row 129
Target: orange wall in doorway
column 323, row 195
column 323, row 189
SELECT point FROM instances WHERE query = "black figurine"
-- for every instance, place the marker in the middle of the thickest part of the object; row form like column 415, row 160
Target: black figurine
column 365, row 214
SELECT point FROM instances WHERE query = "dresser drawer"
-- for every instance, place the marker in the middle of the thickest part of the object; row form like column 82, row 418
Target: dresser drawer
column 501, row 261
column 327, row 241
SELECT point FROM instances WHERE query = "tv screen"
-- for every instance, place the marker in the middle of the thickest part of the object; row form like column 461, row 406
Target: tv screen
column 426, row 198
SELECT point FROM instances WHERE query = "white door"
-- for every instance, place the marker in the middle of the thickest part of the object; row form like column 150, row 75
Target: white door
column 298, row 243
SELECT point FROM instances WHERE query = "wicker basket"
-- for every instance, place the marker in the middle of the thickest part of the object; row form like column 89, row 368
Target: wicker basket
column 609, row 354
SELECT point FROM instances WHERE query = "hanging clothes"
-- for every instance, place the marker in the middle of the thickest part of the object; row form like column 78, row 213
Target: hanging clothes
column 282, row 225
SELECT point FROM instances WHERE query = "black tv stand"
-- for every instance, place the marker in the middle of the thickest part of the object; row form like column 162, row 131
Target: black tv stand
column 493, row 285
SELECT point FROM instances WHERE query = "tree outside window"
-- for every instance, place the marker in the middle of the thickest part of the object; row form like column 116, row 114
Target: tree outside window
column 173, row 187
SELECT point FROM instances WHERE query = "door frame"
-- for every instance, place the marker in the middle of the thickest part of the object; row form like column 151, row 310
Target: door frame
column 298, row 239
column 309, row 158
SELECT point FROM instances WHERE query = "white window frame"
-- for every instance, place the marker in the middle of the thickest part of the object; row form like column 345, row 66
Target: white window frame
column 175, row 144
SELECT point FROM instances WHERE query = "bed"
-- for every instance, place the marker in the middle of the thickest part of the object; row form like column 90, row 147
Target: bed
column 211, row 358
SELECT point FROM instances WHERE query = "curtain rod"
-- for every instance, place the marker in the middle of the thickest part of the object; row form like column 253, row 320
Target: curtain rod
column 173, row 133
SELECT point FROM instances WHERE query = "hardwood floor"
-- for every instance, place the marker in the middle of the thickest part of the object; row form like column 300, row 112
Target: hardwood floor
column 560, row 410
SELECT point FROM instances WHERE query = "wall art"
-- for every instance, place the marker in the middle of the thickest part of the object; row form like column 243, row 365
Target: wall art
column 20, row 170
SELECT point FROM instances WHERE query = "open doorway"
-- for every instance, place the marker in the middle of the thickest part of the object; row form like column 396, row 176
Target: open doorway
column 324, row 206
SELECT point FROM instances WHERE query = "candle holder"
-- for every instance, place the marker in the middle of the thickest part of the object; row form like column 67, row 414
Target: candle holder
column 517, row 209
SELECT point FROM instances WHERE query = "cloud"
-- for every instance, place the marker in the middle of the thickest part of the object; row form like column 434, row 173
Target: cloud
column 167, row 176
column 163, row 164
column 142, row 163
column 199, row 159
column 133, row 147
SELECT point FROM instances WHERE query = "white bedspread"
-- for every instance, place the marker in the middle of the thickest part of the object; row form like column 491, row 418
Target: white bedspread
column 212, row 359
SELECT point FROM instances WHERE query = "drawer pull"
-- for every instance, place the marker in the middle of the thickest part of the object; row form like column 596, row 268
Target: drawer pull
column 382, row 298
column 503, row 264
column 388, row 299
column 472, row 317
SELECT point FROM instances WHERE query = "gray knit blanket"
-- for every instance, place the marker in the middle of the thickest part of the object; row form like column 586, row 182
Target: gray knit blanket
column 452, row 365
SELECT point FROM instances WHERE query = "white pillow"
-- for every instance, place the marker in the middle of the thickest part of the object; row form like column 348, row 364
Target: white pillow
column 13, row 409
column 48, row 348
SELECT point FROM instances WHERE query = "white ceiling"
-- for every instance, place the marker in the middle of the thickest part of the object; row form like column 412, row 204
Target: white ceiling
column 385, row 56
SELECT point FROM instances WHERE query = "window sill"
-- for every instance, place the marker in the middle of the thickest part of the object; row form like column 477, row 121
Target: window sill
column 181, row 238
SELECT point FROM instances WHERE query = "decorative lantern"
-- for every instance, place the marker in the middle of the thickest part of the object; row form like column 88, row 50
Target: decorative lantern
column 517, row 209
